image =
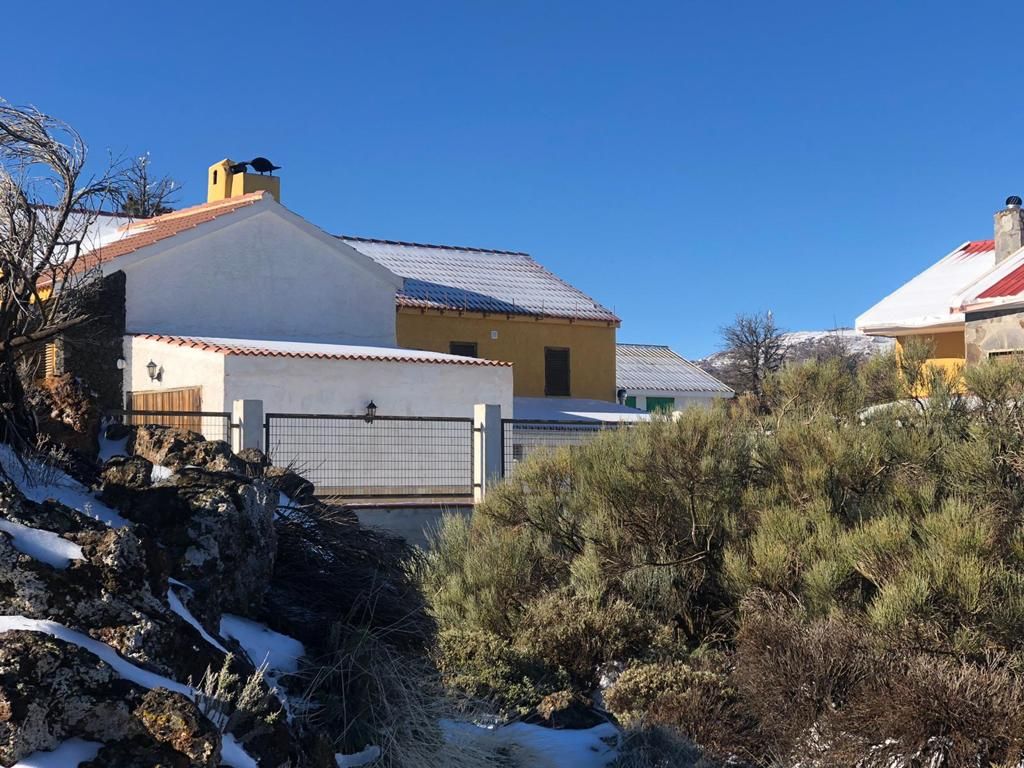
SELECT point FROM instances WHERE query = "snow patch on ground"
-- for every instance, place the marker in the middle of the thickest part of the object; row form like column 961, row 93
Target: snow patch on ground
column 357, row 759
column 122, row 666
column 263, row 645
column 280, row 652
column 111, row 448
column 179, row 608
column 541, row 747
column 45, row 546
column 232, row 753
column 68, row 755
column 41, row 482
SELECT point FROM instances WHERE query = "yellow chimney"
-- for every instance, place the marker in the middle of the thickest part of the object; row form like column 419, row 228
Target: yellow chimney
column 222, row 183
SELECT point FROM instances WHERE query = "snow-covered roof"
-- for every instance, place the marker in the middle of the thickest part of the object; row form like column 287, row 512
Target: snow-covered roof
column 1002, row 287
column 574, row 409
column 657, row 367
column 270, row 348
column 929, row 299
column 479, row 280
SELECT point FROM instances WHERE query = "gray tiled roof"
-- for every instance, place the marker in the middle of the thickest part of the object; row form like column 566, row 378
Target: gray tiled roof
column 651, row 366
column 505, row 282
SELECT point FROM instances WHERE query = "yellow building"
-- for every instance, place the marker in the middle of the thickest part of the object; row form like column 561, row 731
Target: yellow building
column 955, row 305
column 498, row 305
column 502, row 305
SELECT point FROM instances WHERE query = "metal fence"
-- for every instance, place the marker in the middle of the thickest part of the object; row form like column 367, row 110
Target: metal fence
column 211, row 425
column 521, row 437
column 384, row 456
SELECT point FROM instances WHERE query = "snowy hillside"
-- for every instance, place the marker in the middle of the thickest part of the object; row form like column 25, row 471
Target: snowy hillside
column 808, row 345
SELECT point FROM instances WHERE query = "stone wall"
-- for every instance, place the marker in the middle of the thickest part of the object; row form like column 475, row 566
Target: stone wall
column 993, row 331
column 91, row 350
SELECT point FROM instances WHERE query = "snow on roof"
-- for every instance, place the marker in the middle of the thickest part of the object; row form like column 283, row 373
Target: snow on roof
column 1001, row 287
column 574, row 409
column 929, row 299
column 475, row 279
column 269, row 348
column 136, row 234
column 652, row 366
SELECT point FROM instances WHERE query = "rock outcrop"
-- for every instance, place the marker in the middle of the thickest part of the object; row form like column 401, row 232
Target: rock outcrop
column 205, row 531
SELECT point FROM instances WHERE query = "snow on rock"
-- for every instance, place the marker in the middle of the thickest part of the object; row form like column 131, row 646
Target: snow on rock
column 161, row 473
column 111, row 448
column 71, row 753
column 45, row 546
column 280, row 652
column 232, row 753
column 40, row 482
column 365, row 757
column 540, row 747
column 179, row 608
column 122, row 666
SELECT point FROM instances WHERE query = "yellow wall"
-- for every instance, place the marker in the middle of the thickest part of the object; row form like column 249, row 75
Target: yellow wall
column 222, row 184
column 948, row 349
column 521, row 341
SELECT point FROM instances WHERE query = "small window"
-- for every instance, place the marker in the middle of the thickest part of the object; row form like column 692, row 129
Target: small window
column 1005, row 353
column 214, row 177
column 462, row 348
column 660, row 404
column 556, row 372
column 631, row 401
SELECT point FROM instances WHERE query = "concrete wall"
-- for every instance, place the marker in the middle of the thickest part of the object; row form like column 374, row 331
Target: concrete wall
column 180, row 367
column 260, row 277
column 988, row 332
column 521, row 340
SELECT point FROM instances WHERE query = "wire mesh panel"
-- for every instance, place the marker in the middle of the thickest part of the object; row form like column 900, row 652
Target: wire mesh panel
column 521, row 437
column 386, row 456
column 211, row 425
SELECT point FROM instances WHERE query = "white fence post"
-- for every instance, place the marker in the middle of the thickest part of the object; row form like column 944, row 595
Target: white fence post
column 487, row 448
column 247, row 418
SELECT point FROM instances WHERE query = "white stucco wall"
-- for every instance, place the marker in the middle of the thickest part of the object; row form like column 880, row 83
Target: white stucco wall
column 258, row 275
column 683, row 398
column 352, row 456
column 179, row 367
column 310, row 385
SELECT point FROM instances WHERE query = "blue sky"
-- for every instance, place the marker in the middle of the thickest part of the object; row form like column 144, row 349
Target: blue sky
column 681, row 162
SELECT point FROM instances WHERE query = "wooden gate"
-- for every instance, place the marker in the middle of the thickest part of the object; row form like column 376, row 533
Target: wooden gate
column 186, row 400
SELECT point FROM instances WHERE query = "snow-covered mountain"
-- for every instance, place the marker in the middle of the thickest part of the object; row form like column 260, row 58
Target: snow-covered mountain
column 808, row 345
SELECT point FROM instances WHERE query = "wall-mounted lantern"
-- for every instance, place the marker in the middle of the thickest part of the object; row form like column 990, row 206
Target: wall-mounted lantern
column 155, row 371
column 371, row 412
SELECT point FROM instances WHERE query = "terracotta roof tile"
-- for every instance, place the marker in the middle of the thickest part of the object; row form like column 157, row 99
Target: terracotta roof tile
column 265, row 348
column 142, row 232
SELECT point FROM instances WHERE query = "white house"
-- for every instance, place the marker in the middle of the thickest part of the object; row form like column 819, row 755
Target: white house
column 242, row 298
column 655, row 378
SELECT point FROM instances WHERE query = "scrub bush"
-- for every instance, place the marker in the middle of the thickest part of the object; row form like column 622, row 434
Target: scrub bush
column 833, row 552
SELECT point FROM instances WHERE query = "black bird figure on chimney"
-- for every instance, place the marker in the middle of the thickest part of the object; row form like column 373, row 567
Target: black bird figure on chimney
column 263, row 166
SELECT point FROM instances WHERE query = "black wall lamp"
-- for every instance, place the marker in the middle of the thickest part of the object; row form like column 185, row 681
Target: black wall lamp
column 156, row 373
column 371, row 412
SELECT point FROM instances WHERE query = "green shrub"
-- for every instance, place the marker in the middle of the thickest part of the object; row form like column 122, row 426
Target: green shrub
column 485, row 666
column 578, row 635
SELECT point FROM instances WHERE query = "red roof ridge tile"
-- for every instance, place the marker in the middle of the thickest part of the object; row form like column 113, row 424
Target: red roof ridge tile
column 193, row 342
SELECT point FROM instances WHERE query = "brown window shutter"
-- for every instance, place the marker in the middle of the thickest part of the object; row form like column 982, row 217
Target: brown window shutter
column 556, row 372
